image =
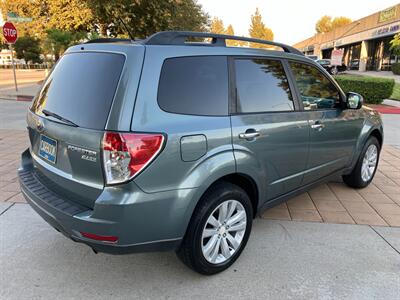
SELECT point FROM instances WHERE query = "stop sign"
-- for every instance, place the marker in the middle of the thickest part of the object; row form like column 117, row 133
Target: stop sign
column 10, row 32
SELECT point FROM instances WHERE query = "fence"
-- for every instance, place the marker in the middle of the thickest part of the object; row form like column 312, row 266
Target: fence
column 30, row 66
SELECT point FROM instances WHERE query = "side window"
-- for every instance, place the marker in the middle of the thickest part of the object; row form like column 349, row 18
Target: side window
column 316, row 91
column 262, row 86
column 196, row 85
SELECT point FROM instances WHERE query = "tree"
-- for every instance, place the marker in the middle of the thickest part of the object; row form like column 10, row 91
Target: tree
column 69, row 15
column 324, row 24
column 217, row 26
column 327, row 24
column 143, row 18
column 259, row 30
column 229, row 30
column 233, row 43
column 340, row 21
column 57, row 42
column 28, row 48
column 395, row 45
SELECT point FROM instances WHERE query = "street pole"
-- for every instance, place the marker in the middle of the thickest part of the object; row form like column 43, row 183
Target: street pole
column 13, row 64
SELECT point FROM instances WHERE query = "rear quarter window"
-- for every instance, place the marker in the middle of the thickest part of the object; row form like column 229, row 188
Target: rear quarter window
column 81, row 88
column 194, row 85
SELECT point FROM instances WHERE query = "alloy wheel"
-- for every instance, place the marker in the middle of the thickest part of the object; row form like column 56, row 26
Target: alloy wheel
column 369, row 163
column 224, row 231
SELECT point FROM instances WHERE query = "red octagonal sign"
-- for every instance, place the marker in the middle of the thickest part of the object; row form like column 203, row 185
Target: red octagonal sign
column 10, row 32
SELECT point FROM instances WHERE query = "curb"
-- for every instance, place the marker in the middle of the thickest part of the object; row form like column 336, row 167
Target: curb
column 24, row 98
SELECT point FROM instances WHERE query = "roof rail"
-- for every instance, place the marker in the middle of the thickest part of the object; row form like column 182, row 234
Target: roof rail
column 108, row 40
column 180, row 37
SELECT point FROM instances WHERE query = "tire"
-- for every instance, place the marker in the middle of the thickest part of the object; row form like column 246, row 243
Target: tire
column 194, row 246
column 334, row 71
column 355, row 178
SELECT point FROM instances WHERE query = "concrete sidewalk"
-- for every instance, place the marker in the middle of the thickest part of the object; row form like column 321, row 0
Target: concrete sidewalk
column 283, row 260
column 25, row 92
column 29, row 83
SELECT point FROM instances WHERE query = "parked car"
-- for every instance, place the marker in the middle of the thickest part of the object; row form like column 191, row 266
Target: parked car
column 333, row 70
column 312, row 57
column 354, row 64
column 163, row 144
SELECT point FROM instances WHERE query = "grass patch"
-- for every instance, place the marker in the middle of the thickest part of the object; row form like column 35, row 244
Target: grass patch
column 396, row 92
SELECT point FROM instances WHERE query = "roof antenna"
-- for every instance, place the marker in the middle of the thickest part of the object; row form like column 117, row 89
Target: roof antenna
column 126, row 28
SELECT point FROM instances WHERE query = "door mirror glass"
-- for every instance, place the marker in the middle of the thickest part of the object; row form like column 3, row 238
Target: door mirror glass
column 354, row 100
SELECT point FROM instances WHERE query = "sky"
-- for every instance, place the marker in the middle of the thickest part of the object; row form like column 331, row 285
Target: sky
column 291, row 21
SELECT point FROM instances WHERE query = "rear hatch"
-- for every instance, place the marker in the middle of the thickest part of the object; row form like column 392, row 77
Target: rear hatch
column 67, row 120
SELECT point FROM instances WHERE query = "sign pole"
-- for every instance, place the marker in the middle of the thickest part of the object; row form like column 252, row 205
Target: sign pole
column 11, row 35
column 13, row 64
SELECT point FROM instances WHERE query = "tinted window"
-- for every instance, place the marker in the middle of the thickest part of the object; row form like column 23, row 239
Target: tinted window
column 317, row 91
column 81, row 88
column 262, row 86
column 194, row 85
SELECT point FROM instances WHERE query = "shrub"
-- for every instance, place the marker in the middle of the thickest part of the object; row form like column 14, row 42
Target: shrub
column 373, row 89
column 396, row 68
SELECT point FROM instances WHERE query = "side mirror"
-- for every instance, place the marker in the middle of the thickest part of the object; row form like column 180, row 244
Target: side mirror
column 354, row 100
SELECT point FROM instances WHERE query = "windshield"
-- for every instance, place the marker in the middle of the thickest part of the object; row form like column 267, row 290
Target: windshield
column 81, row 88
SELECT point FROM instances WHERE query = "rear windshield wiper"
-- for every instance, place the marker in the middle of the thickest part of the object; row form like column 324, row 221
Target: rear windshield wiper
column 58, row 117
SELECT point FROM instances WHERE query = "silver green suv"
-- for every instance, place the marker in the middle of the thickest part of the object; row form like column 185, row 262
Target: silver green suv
column 177, row 142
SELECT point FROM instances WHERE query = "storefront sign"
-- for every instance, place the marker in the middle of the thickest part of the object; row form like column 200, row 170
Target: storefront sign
column 387, row 14
column 365, row 35
column 327, row 45
column 387, row 29
column 337, row 57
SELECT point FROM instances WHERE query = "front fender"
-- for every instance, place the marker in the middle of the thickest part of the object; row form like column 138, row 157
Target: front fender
column 372, row 121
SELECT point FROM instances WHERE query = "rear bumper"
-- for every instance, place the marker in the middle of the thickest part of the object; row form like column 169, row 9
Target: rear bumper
column 141, row 221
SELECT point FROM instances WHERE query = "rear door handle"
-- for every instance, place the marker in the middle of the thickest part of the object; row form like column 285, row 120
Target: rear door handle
column 317, row 126
column 249, row 134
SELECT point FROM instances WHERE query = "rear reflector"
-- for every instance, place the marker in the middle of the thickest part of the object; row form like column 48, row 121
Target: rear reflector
column 126, row 154
column 102, row 238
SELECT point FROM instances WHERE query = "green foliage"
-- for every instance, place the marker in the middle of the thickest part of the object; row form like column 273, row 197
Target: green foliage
column 28, row 48
column 373, row 89
column 68, row 15
column 395, row 45
column 396, row 68
column 396, row 92
column 259, row 30
column 143, row 18
column 57, row 41
column 327, row 24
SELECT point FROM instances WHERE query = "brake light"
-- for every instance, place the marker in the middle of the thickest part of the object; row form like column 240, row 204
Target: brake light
column 126, row 154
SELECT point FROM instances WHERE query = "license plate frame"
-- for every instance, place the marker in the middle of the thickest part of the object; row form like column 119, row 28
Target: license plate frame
column 48, row 149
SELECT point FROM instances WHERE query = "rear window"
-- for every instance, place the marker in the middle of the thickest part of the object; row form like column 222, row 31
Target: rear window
column 81, row 88
column 194, row 85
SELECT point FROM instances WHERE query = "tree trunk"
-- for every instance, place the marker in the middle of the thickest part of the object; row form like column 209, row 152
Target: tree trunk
column 103, row 29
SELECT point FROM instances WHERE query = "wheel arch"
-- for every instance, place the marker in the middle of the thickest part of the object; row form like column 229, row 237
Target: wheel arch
column 376, row 133
column 246, row 182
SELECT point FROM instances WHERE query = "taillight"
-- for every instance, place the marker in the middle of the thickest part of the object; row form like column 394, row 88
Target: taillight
column 127, row 154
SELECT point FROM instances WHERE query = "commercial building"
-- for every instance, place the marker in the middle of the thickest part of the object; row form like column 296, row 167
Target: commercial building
column 366, row 42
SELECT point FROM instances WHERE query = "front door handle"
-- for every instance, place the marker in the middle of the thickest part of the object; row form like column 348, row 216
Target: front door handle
column 317, row 126
column 250, row 134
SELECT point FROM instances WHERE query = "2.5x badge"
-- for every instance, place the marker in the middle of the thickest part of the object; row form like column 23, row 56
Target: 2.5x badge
column 86, row 154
